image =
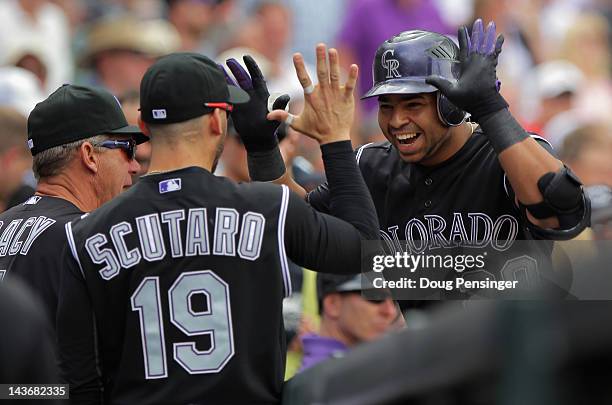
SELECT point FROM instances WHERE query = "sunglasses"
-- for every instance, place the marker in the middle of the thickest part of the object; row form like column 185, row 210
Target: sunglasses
column 129, row 146
column 224, row 106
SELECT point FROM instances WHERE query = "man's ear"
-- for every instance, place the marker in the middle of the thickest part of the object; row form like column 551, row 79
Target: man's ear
column 88, row 157
column 143, row 126
column 215, row 122
column 332, row 305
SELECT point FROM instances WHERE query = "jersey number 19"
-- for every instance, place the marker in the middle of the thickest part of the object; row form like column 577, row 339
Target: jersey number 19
column 215, row 321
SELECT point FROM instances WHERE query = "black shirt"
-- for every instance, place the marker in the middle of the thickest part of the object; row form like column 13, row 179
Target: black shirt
column 177, row 293
column 32, row 237
column 26, row 343
column 464, row 203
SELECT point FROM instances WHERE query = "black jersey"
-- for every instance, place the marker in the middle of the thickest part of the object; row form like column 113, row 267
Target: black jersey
column 186, row 273
column 464, row 204
column 26, row 341
column 31, row 240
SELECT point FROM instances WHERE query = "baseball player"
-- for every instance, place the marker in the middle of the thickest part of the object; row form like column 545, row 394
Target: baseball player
column 172, row 292
column 441, row 181
column 83, row 155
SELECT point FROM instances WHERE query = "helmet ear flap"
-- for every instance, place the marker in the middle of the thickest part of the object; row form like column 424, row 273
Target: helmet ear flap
column 449, row 114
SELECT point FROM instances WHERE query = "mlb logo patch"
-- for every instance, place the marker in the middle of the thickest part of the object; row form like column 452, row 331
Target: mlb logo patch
column 32, row 200
column 31, row 144
column 159, row 114
column 170, row 185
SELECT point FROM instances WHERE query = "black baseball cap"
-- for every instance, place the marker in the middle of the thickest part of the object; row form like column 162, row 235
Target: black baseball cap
column 329, row 283
column 177, row 86
column 72, row 113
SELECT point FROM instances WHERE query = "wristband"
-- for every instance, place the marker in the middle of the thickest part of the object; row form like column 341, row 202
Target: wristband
column 266, row 165
column 502, row 130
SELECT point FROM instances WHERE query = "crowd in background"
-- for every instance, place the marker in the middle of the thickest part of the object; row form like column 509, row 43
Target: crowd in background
column 555, row 68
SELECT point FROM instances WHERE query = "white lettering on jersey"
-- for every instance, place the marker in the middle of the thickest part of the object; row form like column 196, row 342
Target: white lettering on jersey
column 228, row 240
column 477, row 231
column 11, row 242
column 42, row 224
column 226, row 227
column 104, row 256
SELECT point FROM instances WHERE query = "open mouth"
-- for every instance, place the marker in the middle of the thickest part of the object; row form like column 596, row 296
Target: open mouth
column 408, row 138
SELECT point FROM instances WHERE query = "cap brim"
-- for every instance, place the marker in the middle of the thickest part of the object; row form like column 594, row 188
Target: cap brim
column 237, row 95
column 133, row 131
column 399, row 86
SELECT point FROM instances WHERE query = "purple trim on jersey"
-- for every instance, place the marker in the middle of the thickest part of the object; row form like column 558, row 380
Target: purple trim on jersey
column 281, row 241
column 318, row 348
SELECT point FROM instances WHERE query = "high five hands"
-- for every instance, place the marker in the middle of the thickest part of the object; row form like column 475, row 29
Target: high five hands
column 329, row 107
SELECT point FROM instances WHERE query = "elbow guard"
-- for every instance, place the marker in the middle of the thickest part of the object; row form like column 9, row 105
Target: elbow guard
column 563, row 198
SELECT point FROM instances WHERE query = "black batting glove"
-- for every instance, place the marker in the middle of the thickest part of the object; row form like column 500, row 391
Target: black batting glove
column 477, row 89
column 257, row 132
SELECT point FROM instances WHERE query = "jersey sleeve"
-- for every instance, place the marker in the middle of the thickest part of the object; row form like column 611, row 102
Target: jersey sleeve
column 320, row 197
column 76, row 331
column 332, row 243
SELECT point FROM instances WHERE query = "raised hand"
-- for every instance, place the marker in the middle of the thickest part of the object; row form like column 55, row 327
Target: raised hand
column 477, row 89
column 256, row 131
column 329, row 107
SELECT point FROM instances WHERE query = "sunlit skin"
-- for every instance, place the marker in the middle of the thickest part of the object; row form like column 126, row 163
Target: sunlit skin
column 115, row 172
column 401, row 115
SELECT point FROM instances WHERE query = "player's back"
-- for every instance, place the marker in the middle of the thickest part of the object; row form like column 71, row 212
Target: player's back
column 186, row 275
column 31, row 236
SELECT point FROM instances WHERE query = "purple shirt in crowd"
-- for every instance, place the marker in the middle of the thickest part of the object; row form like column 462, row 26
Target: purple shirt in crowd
column 369, row 23
column 318, row 348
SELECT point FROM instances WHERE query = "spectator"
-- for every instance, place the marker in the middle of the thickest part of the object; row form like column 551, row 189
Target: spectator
column 588, row 151
column 19, row 89
column 347, row 318
column 27, row 54
column 192, row 20
column 586, row 45
column 15, row 159
column 40, row 22
column 121, row 49
column 556, row 84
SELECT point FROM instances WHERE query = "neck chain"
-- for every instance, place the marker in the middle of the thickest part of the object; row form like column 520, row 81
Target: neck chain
column 151, row 173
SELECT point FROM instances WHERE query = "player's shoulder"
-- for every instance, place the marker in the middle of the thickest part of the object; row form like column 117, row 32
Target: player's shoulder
column 261, row 193
column 46, row 215
column 373, row 152
column 479, row 135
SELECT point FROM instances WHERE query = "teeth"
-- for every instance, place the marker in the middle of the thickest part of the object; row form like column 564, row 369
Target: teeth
column 403, row 137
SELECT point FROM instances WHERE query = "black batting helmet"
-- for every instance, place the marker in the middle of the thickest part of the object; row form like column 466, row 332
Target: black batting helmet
column 403, row 62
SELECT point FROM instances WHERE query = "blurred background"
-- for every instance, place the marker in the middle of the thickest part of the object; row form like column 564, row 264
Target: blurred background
column 555, row 68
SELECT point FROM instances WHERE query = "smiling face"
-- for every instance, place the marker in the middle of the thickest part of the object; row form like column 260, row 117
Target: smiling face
column 411, row 123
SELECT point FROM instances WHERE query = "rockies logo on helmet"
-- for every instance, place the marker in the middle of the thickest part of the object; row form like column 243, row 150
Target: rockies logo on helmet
column 390, row 64
column 403, row 62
